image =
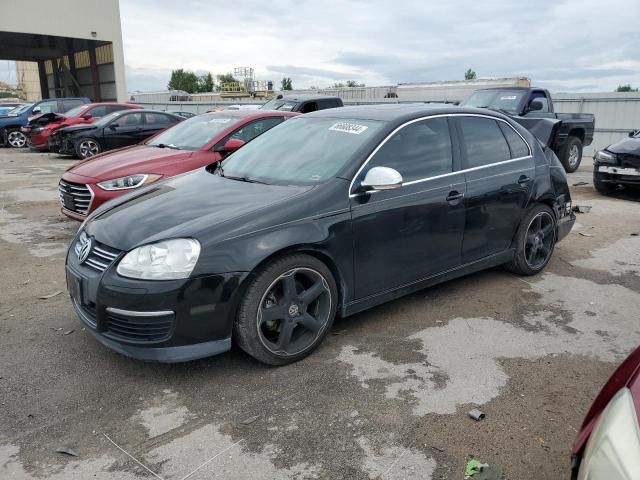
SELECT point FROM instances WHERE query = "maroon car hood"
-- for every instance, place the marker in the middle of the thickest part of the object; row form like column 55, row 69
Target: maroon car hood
column 127, row 161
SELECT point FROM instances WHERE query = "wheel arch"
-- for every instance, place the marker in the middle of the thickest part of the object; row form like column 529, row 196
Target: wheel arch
column 311, row 250
column 577, row 132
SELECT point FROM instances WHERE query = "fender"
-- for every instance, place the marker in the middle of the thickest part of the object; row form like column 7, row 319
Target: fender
column 544, row 129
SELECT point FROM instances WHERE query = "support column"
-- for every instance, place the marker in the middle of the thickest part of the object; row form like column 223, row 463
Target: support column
column 95, row 75
column 44, row 86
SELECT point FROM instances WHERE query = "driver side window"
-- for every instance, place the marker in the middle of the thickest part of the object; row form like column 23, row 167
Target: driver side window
column 253, row 129
column 418, row 151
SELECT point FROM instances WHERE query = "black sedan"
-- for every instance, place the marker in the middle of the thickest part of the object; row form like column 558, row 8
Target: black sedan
column 119, row 129
column 329, row 213
column 618, row 164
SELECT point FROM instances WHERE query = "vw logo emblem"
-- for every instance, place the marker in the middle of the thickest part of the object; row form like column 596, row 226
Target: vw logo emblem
column 84, row 248
column 293, row 310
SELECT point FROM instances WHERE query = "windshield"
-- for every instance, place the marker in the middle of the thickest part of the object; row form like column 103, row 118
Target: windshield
column 279, row 104
column 19, row 110
column 301, row 151
column 195, row 132
column 499, row 99
column 74, row 112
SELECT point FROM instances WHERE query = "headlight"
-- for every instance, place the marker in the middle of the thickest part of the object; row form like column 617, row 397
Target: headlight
column 605, row 157
column 37, row 129
column 130, row 181
column 166, row 260
column 613, row 451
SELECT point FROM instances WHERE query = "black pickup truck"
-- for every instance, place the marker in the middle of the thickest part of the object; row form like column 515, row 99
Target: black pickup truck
column 575, row 131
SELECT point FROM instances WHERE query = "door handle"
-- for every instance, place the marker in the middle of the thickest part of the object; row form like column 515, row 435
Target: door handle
column 524, row 179
column 454, row 195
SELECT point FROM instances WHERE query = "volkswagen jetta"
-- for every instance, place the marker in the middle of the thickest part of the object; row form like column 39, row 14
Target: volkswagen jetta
column 328, row 214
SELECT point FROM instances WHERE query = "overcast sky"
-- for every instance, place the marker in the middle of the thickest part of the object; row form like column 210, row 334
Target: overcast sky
column 572, row 45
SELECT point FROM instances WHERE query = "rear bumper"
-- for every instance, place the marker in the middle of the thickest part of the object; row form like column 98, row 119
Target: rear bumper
column 565, row 224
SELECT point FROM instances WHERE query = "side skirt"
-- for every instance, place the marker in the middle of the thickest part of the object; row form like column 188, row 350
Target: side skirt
column 362, row 304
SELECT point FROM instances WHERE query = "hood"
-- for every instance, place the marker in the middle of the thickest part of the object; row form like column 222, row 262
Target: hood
column 77, row 128
column 193, row 205
column 544, row 129
column 45, row 118
column 626, row 146
column 127, row 161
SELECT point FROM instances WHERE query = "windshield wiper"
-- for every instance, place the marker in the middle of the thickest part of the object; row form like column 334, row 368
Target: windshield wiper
column 243, row 179
column 162, row 145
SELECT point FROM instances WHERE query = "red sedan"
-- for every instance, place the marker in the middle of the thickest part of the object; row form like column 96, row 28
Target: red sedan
column 41, row 126
column 608, row 445
column 194, row 143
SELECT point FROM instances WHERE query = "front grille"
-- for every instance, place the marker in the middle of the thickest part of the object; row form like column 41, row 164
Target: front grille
column 629, row 161
column 75, row 197
column 138, row 328
column 101, row 256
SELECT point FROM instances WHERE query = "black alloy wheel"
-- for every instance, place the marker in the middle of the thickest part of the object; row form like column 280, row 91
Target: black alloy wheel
column 287, row 310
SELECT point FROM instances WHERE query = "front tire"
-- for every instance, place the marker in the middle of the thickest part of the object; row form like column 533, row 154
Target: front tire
column 535, row 241
column 571, row 154
column 87, row 147
column 287, row 310
column 16, row 139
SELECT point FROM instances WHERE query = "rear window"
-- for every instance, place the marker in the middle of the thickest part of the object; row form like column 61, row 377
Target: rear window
column 483, row 141
column 518, row 146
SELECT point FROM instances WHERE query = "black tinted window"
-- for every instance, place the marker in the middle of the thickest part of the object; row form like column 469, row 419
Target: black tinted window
column 252, row 130
column 114, row 108
column 517, row 145
column 158, row 119
column 131, row 120
column 419, row 150
column 483, row 141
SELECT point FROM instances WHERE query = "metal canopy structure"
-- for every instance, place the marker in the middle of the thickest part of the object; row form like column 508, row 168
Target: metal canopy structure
column 76, row 44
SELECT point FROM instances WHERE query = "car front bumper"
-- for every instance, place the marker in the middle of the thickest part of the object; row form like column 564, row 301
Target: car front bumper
column 165, row 321
column 617, row 175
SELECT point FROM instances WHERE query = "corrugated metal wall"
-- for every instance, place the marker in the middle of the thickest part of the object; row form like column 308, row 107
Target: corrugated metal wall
column 616, row 114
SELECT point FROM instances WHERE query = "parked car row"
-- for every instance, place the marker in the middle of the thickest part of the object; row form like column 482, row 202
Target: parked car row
column 194, row 143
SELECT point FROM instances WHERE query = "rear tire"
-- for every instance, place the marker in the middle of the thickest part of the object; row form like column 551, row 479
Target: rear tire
column 602, row 187
column 571, row 154
column 87, row 148
column 287, row 310
column 535, row 241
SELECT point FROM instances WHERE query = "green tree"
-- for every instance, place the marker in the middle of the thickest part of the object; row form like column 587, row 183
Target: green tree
column 339, row 85
column 625, row 88
column 226, row 78
column 286, row 84
column 183, row 80
column 205, row 83
column 353, row 83
column 470, row 75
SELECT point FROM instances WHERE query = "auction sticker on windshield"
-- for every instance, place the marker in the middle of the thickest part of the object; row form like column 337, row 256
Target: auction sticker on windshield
column 509, row 97
column 348, row 128
column 220, row 120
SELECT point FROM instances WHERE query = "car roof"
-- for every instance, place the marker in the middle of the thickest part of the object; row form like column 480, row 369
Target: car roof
column 398, row 112
column 250, row 114
column 97, row 104
column 307, row 96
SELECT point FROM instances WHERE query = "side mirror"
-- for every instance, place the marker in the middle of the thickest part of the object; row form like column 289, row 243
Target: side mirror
column 535, row 105
column 381, row 178
column 232, row 145
column 36, row 110
column 86, row 116
column 113, row 126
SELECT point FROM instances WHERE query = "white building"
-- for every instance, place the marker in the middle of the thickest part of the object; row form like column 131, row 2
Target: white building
column 76, row 44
